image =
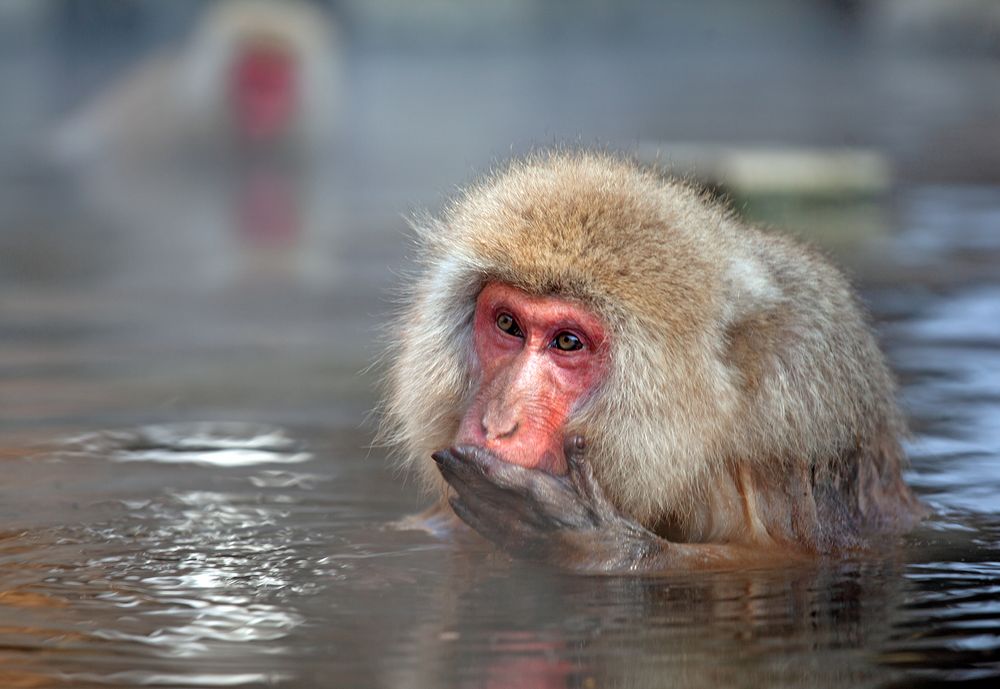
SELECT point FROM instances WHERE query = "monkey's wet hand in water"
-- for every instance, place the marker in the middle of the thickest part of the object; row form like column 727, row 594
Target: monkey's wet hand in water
column 563, row 520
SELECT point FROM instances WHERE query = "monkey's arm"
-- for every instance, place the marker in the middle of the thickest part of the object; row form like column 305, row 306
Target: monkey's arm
column 563, row 520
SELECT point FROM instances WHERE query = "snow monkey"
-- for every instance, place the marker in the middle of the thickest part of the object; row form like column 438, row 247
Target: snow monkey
column 603, row 369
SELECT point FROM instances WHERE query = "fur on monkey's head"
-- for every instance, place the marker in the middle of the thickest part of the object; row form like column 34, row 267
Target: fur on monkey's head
column 667, row 271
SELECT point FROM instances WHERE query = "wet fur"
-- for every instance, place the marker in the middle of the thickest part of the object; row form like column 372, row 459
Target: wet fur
column 747, row 400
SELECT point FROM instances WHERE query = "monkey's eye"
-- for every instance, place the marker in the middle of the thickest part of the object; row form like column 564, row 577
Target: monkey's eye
column 507, row 323
column 567, row 342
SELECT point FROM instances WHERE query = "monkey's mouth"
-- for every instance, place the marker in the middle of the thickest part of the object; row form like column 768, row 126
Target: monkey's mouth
column 486, row 462
column 548, row 462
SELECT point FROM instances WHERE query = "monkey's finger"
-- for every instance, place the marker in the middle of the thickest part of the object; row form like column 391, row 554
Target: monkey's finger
column 517, row 539
column 574, row 449
column 467, row 473
column 517, row 479
column 480, row 492
column 477, row 465
column 545, row 501
column 499, row 526
column 581, row 473
column 558, row 503
column 474, row 517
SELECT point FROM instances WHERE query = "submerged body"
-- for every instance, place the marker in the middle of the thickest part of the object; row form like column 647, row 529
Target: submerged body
column 733, row 402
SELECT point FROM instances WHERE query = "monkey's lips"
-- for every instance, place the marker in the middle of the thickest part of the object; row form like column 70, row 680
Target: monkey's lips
column 548, row 461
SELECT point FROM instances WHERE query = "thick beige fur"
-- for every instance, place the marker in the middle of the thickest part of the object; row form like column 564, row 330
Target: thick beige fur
column 747, row 399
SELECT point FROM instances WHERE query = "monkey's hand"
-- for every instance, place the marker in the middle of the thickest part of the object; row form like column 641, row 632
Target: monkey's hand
column 562, row 520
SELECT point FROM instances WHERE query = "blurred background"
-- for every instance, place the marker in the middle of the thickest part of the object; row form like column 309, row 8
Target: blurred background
column 203, row 226
column 203, row 203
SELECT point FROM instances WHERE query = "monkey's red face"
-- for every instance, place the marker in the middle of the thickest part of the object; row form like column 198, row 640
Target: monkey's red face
column 538, row 359
column 263, row 91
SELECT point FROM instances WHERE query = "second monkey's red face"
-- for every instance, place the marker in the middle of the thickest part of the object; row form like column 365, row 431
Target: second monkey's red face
column 539, row 357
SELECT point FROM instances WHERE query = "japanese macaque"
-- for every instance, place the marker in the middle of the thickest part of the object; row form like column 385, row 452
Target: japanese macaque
column 602, row 369
column 220, row 154
column 256, row 77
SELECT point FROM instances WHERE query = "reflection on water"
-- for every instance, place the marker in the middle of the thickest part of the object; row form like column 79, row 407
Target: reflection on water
column 949, row 624
column 243, row 554
column 214, row 444
column 951, row 358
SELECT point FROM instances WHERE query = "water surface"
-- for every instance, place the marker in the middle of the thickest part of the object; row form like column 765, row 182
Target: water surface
column 190, row 500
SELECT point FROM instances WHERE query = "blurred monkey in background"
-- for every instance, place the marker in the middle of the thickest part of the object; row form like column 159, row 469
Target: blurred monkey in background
column 254, row 74
column 236, row 130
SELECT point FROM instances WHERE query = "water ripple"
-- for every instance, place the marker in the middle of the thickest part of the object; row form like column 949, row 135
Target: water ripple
column 206, row 444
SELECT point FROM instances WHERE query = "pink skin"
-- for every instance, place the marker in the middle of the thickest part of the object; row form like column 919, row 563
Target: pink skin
column 528, row 386
column 263, row 92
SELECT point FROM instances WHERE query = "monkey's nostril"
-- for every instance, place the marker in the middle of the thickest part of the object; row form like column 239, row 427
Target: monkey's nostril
column 498, row 430
column 512, row 431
